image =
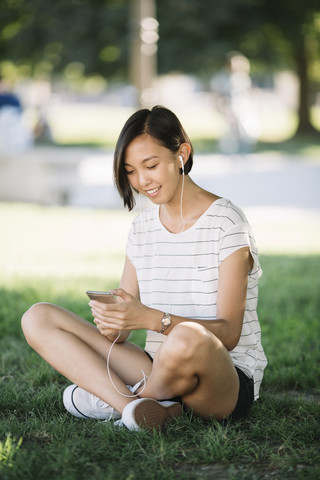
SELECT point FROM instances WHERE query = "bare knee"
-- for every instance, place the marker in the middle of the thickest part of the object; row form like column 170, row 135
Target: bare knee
column 186, row 341
column 33, row 319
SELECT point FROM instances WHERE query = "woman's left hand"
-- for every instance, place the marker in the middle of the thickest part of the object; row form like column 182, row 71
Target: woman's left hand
column 127, row 313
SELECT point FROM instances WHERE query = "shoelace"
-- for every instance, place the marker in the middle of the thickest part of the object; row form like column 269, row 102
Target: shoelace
column 100, row 404
column 118, row 423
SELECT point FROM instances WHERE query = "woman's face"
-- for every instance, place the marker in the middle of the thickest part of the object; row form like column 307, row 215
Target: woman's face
column 153, row 170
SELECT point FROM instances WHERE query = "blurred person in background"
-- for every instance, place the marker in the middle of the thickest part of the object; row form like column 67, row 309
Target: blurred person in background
column 15, row 135
column 7, row 98
column 232, row 88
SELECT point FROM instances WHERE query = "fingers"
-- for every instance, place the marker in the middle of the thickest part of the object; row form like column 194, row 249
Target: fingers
column 101, row 309
column 104, row 315
column 121, row 294
column 114, row 316
column 109, row 332
column 105, row 327
column 110, row 324
column 107, row 316
column 109, row 311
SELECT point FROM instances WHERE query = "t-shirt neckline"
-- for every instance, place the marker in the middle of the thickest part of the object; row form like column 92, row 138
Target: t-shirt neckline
column 196, row 223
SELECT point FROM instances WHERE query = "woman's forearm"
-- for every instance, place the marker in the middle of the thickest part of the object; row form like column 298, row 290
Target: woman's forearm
column 227, row 331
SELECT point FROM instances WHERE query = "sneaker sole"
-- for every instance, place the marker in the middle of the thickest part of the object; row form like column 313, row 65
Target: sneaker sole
column 152, row 415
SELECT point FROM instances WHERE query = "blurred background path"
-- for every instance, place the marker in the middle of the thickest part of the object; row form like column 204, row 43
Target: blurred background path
column 83, row 177
column 279, row 193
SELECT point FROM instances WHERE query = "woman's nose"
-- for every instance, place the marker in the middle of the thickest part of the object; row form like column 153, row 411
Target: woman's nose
column 144, row 178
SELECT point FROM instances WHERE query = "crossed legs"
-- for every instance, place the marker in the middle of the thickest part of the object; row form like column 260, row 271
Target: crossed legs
column 77, row 350
column 191, row 362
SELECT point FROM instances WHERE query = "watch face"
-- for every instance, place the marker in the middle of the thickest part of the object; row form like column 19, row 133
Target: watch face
column 166, row 322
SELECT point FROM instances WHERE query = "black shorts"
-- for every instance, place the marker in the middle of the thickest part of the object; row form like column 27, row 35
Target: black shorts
column 245, row 397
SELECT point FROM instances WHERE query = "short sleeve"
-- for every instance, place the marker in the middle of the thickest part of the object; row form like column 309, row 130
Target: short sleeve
column 239, row 236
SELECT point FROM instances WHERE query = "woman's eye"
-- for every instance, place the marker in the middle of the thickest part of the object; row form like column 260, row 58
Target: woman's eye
column 129, row 172
column 152, row 166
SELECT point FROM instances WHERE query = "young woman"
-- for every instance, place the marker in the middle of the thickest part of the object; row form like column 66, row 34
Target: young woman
column 190, row 279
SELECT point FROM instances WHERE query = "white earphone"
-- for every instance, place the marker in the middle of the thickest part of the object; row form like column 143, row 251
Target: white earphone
column 182, row 164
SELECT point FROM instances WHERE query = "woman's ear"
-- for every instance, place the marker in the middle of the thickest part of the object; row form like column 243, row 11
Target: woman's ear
column 184, row 151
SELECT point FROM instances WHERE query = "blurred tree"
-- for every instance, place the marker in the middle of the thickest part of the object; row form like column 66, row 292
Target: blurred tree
column 274, row 34
column 92, row 36
column 299, row 25
column 45, row 37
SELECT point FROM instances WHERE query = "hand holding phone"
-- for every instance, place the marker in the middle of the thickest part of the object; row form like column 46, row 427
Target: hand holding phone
column 103, row 297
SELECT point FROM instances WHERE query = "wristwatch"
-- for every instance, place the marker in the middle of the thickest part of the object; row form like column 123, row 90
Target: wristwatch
column 165, row 322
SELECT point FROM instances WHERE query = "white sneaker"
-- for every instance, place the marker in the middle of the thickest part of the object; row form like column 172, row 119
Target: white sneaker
column 83, row 404
column 149, row 414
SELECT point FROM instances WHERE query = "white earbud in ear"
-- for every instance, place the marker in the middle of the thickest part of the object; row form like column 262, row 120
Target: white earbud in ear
column 182, row 164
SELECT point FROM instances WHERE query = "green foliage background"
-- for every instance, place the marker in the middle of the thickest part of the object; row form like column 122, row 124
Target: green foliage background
column 195, row 35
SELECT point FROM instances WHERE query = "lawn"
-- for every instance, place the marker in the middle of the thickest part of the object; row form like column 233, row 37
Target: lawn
column 55, row 254
column 100, row 125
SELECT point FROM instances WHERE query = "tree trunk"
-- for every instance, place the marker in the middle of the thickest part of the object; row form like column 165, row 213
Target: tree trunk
column 144, row 37
column 304, row 124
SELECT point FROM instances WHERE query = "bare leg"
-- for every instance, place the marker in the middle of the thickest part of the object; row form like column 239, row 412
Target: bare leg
column 77, row 350
column 194, row 364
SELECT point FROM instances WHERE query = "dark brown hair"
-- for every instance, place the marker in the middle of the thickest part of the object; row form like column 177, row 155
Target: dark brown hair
column 162, row 125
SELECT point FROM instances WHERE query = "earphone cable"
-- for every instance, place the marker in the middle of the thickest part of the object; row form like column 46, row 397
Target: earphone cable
column 181, row 211
column 144, row 376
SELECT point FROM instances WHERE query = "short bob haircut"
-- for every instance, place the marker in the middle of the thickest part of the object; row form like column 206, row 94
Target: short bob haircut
column 162, row 125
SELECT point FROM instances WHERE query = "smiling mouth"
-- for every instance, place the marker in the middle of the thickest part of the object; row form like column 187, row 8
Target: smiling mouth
column 152, row 192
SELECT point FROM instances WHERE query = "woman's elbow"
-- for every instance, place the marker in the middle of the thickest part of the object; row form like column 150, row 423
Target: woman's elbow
column 232, row 341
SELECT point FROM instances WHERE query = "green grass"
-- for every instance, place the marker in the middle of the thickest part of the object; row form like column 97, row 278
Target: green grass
column 54, row 254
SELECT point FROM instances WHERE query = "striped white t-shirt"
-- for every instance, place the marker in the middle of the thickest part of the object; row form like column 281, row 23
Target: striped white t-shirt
column 179, row 274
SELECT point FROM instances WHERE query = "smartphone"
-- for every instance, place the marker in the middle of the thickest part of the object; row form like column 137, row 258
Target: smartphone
column 103, row 297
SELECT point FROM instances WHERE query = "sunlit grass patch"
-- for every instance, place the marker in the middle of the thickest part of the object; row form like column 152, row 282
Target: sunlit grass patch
column 68, row 242
column 8, row 449
column 100, row 125
column 87, row 123
column 285, row 230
